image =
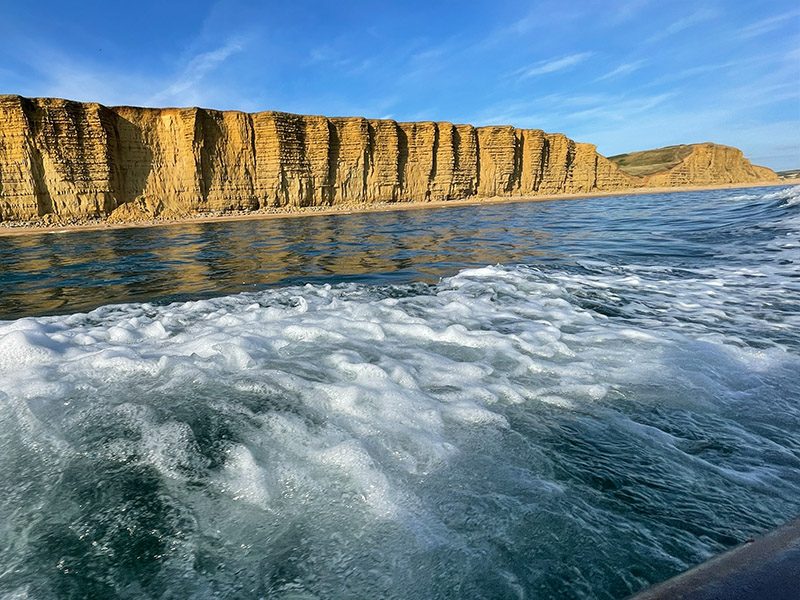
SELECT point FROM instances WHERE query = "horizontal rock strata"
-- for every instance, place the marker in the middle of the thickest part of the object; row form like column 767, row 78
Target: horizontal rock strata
column 692, row 164
column 63, row 160
column 711, row 164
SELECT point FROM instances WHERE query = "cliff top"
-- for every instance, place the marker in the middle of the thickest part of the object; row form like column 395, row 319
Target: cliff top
column 648, row 162
column 53, row 101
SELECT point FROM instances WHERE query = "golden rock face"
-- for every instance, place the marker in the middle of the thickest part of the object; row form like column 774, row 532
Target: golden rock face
column 709, row 164
column 692, row 164
column 72, row 160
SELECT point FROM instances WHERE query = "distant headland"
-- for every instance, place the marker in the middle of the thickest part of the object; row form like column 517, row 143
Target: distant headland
column 68, row 163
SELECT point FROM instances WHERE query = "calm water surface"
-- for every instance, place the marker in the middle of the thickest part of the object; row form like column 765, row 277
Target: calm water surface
column 533, row 400
column 58, row 273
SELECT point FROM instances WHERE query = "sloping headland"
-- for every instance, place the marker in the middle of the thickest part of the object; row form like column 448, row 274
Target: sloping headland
column 692, row 164
column 65, row 162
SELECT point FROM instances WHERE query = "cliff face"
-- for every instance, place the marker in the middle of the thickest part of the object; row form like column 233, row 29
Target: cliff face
column 711, row 164
column 62, row 160
column 692, row 164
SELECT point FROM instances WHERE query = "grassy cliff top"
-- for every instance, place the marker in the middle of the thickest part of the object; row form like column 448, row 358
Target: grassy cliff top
column 648, row 162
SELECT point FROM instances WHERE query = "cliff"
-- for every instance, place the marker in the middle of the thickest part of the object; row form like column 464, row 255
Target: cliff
column 63, row 161
column 692, row 164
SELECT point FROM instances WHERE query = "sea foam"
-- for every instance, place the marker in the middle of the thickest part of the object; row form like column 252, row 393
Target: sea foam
column 496, row 431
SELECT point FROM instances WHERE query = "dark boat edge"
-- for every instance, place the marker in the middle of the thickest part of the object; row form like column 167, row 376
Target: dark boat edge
column 766, row 567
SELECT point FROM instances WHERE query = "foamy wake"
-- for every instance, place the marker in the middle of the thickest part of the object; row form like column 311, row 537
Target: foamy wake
column 303, row 439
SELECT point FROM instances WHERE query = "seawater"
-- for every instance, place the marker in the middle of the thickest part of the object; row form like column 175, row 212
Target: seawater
column 532, row 400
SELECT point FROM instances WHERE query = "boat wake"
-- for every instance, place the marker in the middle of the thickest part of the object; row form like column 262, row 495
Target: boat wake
column 583, row 427
column 271, row 442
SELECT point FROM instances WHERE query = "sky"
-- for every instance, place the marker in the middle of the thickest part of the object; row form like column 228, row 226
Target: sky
column 625, row 75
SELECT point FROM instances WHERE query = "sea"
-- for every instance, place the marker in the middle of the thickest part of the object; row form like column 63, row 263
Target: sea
column 564, row 399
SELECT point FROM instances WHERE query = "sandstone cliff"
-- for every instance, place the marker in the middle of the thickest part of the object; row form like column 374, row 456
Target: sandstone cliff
column 692, row 164
column 63, row 160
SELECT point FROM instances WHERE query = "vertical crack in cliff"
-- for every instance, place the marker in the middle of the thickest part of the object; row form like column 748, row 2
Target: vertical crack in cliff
column 432, row 182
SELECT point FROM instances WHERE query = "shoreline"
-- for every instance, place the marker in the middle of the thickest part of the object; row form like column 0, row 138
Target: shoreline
column 378, row 207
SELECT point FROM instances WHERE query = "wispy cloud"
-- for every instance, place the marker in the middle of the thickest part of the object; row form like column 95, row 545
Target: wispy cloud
column 424, row 62
column 681, row 74
column 431, row 54
column 765, row 91
column 552, row 65
column 55, row 71
column 573, row 113
column 769, row 24
column 185, row 87
column 775, row 63
column 622, row 70
column 687, row 22
column 51, row 71
column 543, row 15
column 626, row 11
column 621, row 109
column 330, row 56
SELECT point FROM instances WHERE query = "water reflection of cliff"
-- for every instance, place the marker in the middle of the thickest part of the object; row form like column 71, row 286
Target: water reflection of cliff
column 65, row 273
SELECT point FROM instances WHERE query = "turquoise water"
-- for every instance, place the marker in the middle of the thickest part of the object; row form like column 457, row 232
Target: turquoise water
column 533, row 400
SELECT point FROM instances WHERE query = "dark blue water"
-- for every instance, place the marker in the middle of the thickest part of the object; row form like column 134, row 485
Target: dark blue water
column 570, row 399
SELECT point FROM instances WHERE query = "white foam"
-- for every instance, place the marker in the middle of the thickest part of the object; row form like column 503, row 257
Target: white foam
column 20, row 348
column 243, row 479
column 370, row 350
column 340, row 403
column 790, row 193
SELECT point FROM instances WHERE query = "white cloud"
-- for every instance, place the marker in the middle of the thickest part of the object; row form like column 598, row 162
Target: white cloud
column 339, row 60
column 697, row 17
column 558, row 112
column 186, row 86
column 53, row 74
column 56, row 72
column 619, row 109
column 622, row 70
column 628, row 10
column 766, row 25
column 552, row 65
column 543, row 15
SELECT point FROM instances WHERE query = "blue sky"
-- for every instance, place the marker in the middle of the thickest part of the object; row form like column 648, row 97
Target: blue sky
column 623, row 75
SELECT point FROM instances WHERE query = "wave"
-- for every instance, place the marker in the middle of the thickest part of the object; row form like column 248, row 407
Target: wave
column 390, row 439
column 792, row 196
column 787, row 196
column 790, row 192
